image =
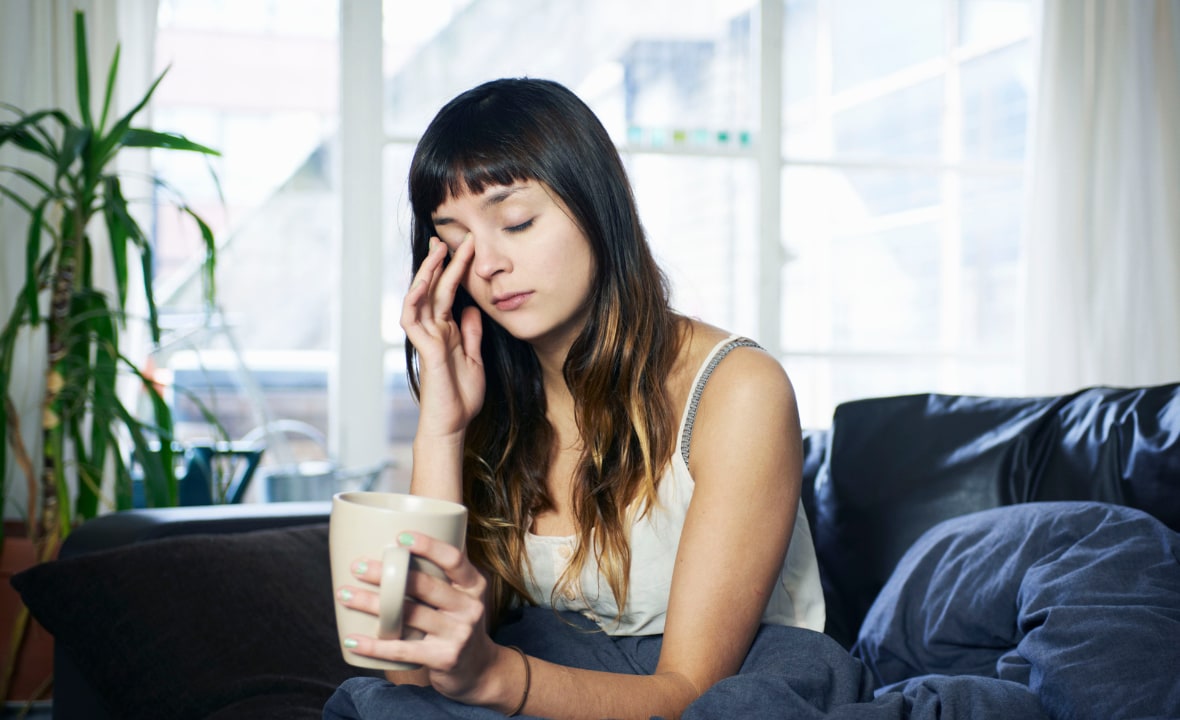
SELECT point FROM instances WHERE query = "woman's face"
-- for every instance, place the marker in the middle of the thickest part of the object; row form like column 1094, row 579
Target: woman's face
column 532, row 268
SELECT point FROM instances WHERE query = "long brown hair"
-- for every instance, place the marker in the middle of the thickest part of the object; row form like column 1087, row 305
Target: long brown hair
column 508, row 131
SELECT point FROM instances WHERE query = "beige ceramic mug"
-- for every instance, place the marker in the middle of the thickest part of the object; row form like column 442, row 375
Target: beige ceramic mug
column 366, row 525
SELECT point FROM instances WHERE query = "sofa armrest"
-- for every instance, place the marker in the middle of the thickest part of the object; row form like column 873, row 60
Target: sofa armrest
column 135, row 526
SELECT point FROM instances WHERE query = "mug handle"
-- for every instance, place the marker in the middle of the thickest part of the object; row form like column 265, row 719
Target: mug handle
column 395, row 566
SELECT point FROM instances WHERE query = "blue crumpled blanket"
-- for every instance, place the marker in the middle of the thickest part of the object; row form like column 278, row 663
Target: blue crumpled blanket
column 1078, row 601
column 1044, row 610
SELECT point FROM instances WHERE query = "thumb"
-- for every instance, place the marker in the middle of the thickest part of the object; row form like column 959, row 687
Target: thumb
column 472, row 329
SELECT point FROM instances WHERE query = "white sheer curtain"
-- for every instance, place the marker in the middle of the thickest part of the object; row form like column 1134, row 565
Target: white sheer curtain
column 37, row 71
column 1103, row 282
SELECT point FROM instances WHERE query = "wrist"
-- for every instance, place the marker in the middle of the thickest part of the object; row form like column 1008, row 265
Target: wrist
column 427, row 441
column 437, row 469
column 508, row 680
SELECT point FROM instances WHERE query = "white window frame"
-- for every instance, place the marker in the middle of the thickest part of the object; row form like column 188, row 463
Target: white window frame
column 356, row 418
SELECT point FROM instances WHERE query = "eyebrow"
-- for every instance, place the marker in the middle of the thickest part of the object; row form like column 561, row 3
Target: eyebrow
column 494, row 199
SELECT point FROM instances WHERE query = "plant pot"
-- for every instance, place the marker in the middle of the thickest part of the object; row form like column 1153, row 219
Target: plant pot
column 33, row 675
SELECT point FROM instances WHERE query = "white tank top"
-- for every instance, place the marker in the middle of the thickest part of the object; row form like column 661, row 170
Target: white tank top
column 797, row 598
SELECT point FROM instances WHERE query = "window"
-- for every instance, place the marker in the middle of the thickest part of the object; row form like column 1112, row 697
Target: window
column 892, row 265
column 904, row 135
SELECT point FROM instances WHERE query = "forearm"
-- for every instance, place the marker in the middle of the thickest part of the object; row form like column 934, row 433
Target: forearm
column 438, row 468
column 565, row 693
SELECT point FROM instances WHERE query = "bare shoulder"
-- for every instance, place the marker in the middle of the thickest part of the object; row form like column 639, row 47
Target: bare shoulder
column 748, row 398
column 744, row 374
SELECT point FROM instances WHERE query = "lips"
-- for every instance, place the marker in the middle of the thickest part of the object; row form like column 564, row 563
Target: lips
column 511, row 301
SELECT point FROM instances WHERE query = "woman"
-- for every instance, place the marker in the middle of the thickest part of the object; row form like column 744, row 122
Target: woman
column 565, row 403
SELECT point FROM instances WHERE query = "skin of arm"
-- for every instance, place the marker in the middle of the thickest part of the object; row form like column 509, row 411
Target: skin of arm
column 746, row 463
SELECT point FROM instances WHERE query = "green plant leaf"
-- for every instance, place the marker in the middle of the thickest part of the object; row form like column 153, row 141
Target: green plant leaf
column 146, row 263
column 28, row 177
column 215, row 425
column 32, row 255
column 159, row 478
column 107, row 146
column 124, row 482
column 99, row 335
column 82, row 67
column 114, row 213
column 84, row 469
column 110, row 90
column 163, row 429
column 140, row 137
column 24, row 204
column 7, row 341
column 116, row 205
column 209, row 266
column 23, row 133
column 73, row 147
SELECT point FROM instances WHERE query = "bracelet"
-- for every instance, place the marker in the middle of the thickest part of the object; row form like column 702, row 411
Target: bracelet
column 528, row 679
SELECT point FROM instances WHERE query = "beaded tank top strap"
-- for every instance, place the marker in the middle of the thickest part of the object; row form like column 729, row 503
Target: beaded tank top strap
column 695, row 399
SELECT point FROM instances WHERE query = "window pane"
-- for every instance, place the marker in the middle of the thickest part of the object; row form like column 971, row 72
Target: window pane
column 866, row 273
column 804, row 133
column 821, row 383
column 985, row 22
column 258, row 81
column 699, row 215
column 992, row 266
column 882, row 293
column 801, row 41
column 904, row 280
column 870, row 40
column 996, row 90
column 904, row 123
column 641, row 64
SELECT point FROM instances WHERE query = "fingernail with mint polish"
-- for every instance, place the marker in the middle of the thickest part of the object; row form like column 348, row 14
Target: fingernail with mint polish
column 405, row 540
column 350, row 643
column 360, row 567
column 345, row 595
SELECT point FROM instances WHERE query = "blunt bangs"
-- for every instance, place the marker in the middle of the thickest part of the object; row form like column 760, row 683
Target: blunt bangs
column 443, row 174
column 479, row 140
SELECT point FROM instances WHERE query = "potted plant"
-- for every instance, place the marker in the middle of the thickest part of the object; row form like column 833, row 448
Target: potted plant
column 76, row 208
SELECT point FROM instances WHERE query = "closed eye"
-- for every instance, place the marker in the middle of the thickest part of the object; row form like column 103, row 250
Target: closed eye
column 519, row 228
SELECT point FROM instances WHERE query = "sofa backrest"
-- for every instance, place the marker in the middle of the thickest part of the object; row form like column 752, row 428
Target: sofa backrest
column 895, row 467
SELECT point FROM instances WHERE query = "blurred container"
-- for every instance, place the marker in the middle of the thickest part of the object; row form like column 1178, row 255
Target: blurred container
column 315, row 480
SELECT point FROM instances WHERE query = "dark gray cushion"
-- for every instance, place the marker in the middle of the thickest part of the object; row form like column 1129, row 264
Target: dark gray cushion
column 193, row 626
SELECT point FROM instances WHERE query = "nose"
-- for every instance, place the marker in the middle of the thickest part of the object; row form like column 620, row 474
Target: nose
column 488, row 256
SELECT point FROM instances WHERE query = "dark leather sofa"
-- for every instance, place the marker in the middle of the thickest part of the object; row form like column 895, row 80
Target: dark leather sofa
column 886, row 471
